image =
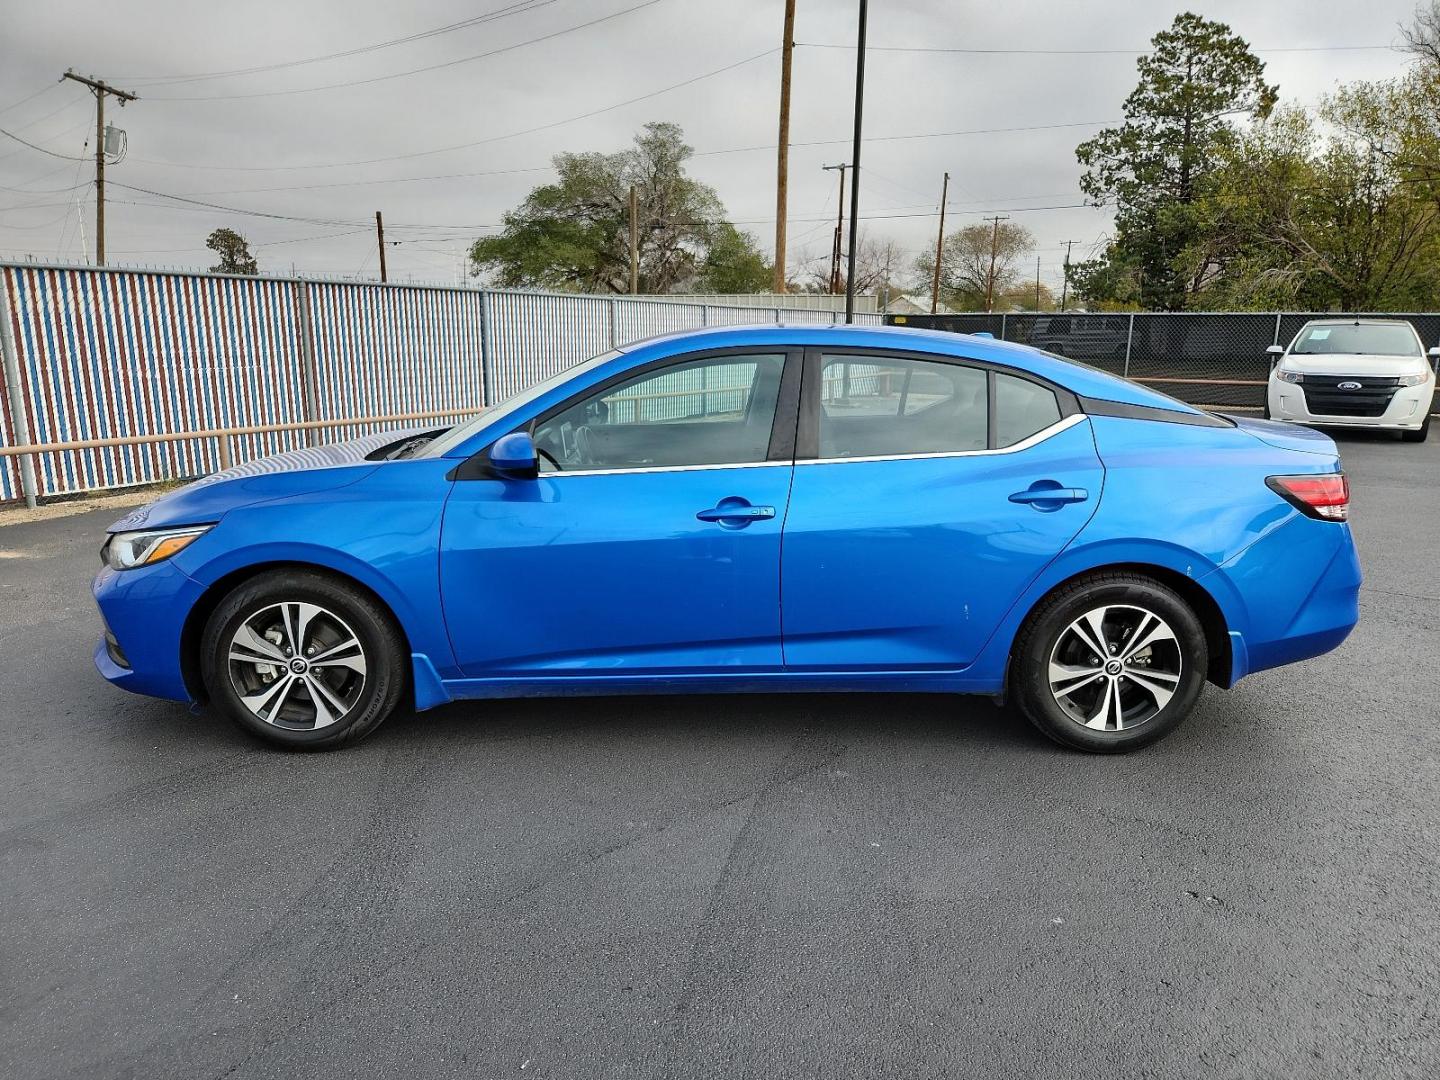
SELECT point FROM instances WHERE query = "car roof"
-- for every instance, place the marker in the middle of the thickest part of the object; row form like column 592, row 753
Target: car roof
column 1360, row 322
column 1077, row 378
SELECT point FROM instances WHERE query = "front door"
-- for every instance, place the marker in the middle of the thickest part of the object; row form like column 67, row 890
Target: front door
column 933, row 494
column 649, row 544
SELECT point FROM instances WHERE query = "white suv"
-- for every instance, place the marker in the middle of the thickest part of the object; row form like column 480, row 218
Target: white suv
column 1354, row 373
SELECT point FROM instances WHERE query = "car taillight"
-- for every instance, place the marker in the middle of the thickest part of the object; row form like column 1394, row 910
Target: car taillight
column 1325, row 496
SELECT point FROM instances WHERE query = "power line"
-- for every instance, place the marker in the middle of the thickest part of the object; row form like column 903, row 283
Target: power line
column 32, row 146
column 1068, row 52
column 420, row 70
column 547, row 168
column 479, row 142
column 29, row 97
column 490, row 16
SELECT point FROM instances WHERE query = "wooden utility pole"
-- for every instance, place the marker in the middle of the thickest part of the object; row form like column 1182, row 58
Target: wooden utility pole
column 100, row 90
column 994, row 249
column 835, row 246
column 634, row 242
column 855, row 160
column 1065, row 286
column 380, row 239
column 939, row 248
column 782, row 157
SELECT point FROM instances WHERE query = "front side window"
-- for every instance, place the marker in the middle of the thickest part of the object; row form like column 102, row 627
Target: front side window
column 874, row 406
column 714, row 411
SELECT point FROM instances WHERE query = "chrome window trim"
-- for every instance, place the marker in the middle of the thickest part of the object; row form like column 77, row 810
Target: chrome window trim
column 1063, row 424
column 666, row 469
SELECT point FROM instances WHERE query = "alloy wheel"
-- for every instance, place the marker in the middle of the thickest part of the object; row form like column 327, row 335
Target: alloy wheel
column 296, row 665
column 1115, row 667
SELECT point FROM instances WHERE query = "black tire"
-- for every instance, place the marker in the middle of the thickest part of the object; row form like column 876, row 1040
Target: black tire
column 1417, row 436
column 1265, row 409
column 343, row 607
column 1046, row 634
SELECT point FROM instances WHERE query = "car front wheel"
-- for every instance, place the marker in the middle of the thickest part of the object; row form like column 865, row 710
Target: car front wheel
column 1110, row 663
column 303, row 660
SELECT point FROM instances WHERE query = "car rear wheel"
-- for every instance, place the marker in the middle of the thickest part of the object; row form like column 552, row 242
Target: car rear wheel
column 302, row 660
column 1417, row 436
column 1110, row 663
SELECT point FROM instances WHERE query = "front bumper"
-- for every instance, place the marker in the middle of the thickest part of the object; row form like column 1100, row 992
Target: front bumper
column 1406, row 411
column 144, row 611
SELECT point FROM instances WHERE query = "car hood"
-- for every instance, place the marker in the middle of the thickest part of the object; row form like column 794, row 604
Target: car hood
column 1353, row 364
column 1287, row 436
column 295, row 472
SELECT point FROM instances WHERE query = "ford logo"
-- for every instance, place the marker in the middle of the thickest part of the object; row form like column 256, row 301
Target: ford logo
column 1350, row 385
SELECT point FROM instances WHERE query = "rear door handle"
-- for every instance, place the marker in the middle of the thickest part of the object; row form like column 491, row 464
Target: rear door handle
column 1048, row 495
column 735, row 513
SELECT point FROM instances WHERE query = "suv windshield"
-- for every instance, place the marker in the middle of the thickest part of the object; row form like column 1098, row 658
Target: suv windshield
column 1365, row 339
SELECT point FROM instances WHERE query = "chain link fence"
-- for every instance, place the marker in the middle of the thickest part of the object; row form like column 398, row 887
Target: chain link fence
column 1212, row 359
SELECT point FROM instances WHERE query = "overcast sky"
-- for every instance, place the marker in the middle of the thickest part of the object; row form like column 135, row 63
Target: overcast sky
column 267, row 141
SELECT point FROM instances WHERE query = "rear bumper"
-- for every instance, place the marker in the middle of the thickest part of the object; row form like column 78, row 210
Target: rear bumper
column 1406, row 412
column 144, row 612
column 1305, row 609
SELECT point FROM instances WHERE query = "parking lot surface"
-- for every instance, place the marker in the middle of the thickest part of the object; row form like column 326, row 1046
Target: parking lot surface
column 730, row 886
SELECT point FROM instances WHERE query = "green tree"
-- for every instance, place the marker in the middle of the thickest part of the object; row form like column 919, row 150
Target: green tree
column 967, row 272
column 1346, row 220
column 574, row 234
column 234, row 252
column 1151, row 168
column 733, row 264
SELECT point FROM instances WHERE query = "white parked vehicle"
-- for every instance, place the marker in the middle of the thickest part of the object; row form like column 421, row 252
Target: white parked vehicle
column 1372, row 373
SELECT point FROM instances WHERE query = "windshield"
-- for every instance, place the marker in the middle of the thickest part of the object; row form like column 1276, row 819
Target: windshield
column 460, row 432
column 1363, row 339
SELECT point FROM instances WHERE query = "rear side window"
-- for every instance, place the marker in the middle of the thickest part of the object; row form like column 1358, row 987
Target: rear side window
column 875, row 406
column 1022, row 408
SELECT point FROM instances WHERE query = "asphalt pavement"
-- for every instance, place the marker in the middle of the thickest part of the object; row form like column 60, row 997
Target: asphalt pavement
column 809, row 886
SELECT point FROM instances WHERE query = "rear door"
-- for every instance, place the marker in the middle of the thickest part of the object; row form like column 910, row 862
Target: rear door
column 928, row 493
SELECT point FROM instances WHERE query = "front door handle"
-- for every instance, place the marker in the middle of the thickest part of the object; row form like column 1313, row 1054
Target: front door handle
column 735, row 513
column 1049, row 495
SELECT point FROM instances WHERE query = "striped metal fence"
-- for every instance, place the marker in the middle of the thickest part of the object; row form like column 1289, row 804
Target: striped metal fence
column 262, row 365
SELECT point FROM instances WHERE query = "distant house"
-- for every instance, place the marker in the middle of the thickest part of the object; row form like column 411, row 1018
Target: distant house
column 910, row 304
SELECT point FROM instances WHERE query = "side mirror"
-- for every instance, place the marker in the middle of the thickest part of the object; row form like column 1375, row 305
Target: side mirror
column 1434, row 352
column 1275, row 350
column 513, row 456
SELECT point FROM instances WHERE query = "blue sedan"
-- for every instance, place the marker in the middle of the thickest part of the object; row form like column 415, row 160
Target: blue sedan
column 753, row 509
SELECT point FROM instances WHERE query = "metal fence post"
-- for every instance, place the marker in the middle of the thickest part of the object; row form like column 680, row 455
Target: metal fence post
column 19, row 412
column 308, row 373
column 777, row 314
column 1002, row 326
column 1129, row 341
column 487, row 352
column 704, row 314
column 614, row 323
column 1277, row 328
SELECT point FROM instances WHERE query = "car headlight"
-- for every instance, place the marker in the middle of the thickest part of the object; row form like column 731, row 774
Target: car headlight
column 1420, row 378
column 127, row 550
column 1289, row 376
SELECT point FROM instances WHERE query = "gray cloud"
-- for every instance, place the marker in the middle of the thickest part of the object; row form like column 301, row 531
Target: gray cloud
column 229, row 151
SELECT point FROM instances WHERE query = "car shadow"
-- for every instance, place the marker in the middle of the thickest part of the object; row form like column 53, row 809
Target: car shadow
column 973, row 721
